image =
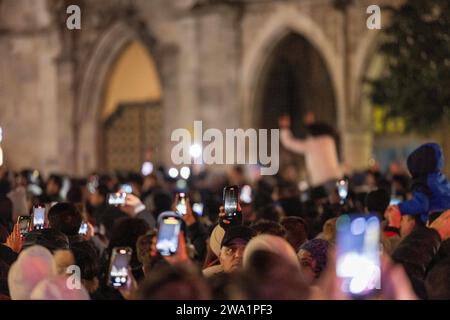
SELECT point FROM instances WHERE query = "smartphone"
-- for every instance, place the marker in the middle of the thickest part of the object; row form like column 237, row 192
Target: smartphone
column 118, row 270
column 116, row 199
column 92, row 184
column 395, row 201
column 147, row 168
column 169, row 230
column 358, row 254
column 181, row 204
column 198, row 208
column 342, row 188
column 38, row 217
column 24, row 224
column 127, row 188
column 83, row 229
column 246, row 194
column 230, row 202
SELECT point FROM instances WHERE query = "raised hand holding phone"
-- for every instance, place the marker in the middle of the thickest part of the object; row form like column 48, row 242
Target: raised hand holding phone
column 188, row 217
column 232, row 214
column 118, row 270
column 181, row 255
column 180, row 203
column 130, row 288
column 132, row 205
column 170, row 242
column 24, row 223
column 169, row 227
column 86, row 230
column 117, row 199
column 342, row 188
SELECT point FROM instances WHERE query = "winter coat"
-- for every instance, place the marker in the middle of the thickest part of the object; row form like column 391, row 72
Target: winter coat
column 416, row 253
column 431, row 188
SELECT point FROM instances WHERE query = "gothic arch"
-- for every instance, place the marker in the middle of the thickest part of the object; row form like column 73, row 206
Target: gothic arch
column 281, row 24
column 90, row 95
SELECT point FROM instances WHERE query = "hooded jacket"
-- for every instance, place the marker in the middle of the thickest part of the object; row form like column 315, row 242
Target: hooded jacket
column 431, row 188
column 32, row 266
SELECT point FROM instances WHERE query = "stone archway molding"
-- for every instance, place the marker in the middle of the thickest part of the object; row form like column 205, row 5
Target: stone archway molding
column 91, row 93
column 358, row 137
column 363, row 57
column 102, row 58
column 279, row 25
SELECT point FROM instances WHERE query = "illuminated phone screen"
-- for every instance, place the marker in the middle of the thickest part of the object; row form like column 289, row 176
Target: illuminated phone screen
column 127, row 188
column 181, row 205
column 342, row 186
column 167, row 243
column 198, row 208
column 116, row 199
column 83, row 229
column 38, row 217
column 231, row 196
column 119, row 267
column 246, row 194
column 358, row 254
column 24, row 223
column 395, row 201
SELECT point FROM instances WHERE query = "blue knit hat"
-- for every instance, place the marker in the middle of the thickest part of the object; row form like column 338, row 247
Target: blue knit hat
column 318, row 248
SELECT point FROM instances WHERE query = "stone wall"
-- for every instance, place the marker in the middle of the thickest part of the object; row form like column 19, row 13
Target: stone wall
column 209, row 54
column 28, row 85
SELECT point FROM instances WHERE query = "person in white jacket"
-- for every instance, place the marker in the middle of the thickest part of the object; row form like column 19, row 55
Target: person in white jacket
column 320, row 153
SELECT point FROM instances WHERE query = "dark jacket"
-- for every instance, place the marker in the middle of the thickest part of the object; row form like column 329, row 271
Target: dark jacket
column 7, row 255
column 107, row 215
column 431, row 189
column 416, row 253
column 198, row 236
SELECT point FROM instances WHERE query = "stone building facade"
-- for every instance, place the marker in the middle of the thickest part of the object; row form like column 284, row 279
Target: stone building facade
column 210, row 57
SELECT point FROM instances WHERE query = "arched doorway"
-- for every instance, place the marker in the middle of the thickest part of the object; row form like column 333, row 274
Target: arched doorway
column 131, row 116
column 295, row 81
column 92, row 106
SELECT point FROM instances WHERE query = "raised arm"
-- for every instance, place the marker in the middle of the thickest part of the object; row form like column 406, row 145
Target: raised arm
column 287, row 139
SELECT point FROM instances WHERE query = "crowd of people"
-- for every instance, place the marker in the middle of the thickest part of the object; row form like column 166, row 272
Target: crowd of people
column 282, row 246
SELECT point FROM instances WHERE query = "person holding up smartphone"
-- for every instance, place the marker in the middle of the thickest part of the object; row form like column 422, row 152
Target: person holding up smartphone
column 195, row 231
column 179, row 256
column 319, row 148
column 24, row 222
column 183, row 201
column 134, row 208
column 230, row 213
column 120, row 275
